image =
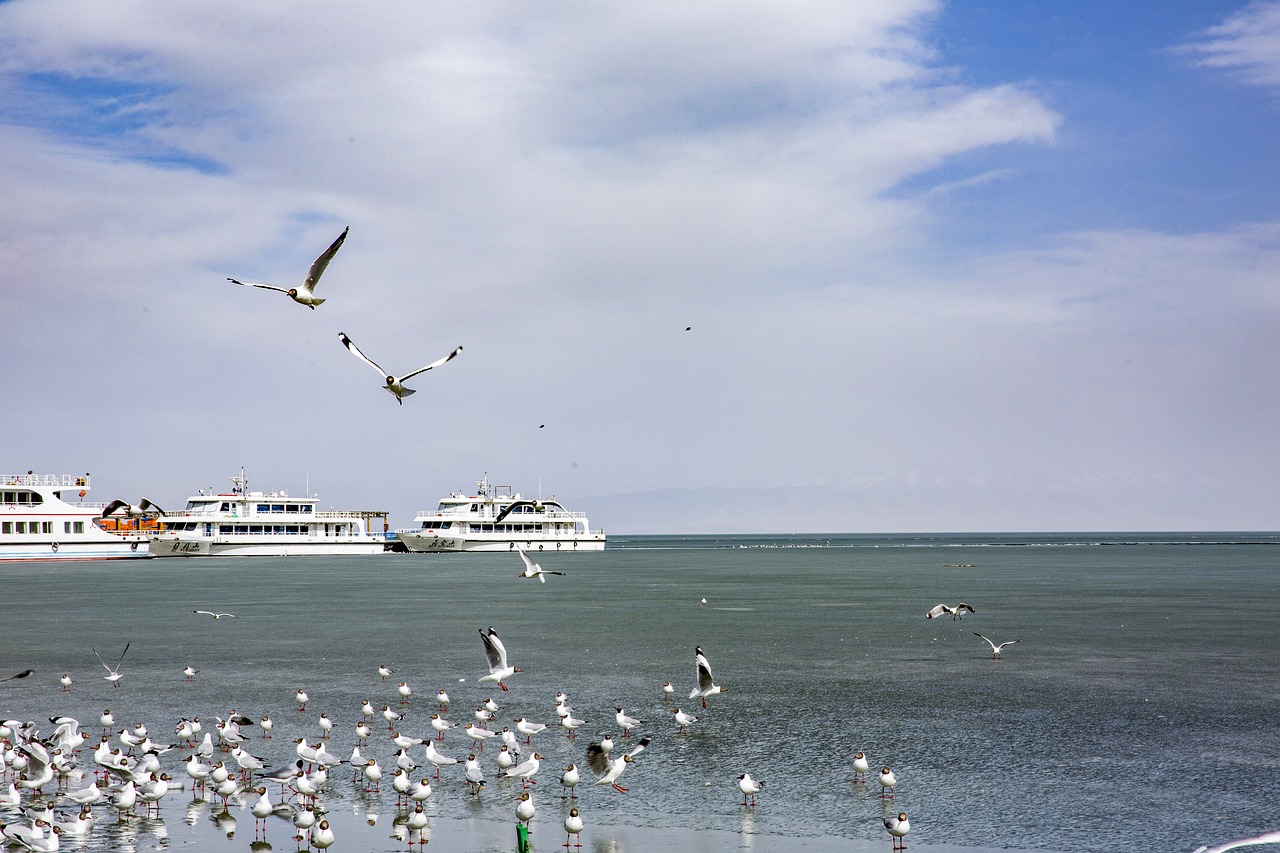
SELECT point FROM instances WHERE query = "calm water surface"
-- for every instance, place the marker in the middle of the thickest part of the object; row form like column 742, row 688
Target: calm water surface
column 1139, row 711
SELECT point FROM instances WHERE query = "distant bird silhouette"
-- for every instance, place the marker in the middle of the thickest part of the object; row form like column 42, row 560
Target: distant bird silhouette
column 23, row 674
column 305, row 293
column 394, row 384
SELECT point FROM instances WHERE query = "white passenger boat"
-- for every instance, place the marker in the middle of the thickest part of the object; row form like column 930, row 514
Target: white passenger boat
column 241, row 523
column 498, row 519
column 37, row 523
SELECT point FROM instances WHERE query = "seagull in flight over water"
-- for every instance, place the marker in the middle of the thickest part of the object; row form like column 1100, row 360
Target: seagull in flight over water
column 394, row 384
column 956, row 612
column 496, row 653
column 113, row 675
column 995, row 649
column 532, row 569
column 1272, row 837
column 305, row 294
column 22, row 674
column 214, row 614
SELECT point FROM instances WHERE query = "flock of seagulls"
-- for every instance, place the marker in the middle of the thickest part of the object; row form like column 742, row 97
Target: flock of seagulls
column 124, row 770
column 305, row 294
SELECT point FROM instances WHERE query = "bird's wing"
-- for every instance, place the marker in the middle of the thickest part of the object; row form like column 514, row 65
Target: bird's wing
column 22, row 674
column 433, row 364
column 145, row 505
column 258, row 284
column 640, row 747
column 545, row 572
column 529, row 565
column 511, row 508
column 1007, row 643
column 993, row 646
column 963, row 606
column 112, row 507
column 122, row 654
column 936, row 611
column 100, row 660
column 494, row 650
column 318, row 266
column 355, row 350
column 597, row 759
column 1266, row 838
column 205, row 612
column 705, row 681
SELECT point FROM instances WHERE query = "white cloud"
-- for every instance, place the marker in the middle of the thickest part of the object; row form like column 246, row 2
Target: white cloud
column 1247, row 42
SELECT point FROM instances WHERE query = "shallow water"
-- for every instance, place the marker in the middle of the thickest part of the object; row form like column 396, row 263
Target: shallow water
column 1137, row 712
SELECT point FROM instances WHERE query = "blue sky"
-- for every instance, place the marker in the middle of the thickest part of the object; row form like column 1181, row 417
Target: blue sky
column 978, row 266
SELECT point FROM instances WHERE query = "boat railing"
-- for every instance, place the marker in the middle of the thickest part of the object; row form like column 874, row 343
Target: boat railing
column 57, row 481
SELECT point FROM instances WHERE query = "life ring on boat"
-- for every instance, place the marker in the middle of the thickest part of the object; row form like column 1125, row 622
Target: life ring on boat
column 541, row 546
column 133, row 546
column 54, row 546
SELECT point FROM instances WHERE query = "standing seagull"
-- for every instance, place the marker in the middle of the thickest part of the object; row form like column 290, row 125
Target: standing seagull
column 898, row 827
column 706, row 685
column 496, row 652
column 749, row 788
column 306, row 293
column 532, row 569
column 573, row 826
column 995, row 649
column 956, row 612
column 113, row 675
column 394, row 384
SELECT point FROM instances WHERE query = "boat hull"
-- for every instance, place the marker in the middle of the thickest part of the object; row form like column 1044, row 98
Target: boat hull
column 57, row 551
column 433, row 543
column 174, row 546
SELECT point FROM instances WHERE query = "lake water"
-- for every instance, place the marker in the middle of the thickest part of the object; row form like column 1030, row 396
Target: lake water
column 1138, row 712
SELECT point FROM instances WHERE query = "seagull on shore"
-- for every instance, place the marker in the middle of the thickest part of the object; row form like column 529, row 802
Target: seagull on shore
column 956, row 612
column 887, row 782
column 525, row 770
column 304, row 294
column 65, row 681
column 609, row 770
column 683, row 721
column 113, row 675
column 995, row 649
column 532, row 569
column 625, row 722
column 215, row 614
column 394, row 384
column 706, row 684
column 568, row 781
column 860, row 768
column 573, row 826
column 749, row 788
column 524, row 809
column 898, row 827
column 496, row 653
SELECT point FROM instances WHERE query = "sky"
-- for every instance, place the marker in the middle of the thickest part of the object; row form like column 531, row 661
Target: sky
column 814, row 266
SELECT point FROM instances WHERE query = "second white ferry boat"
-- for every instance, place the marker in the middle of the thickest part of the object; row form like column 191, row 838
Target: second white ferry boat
column 38, row 523
column 498, row 519
column 242, row 523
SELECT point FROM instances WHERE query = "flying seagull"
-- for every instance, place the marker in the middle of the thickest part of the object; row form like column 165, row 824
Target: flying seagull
column 22, row 674
column 394, row 384
column 532, row 569
column 706, row 684
column 956, row 612
column 305, row 294
column 995, row 649
column 131, row 511
column 496, row 653
column 215, row 615
column 113, row 675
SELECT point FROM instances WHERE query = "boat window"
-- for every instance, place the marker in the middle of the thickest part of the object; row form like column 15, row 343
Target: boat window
column 277, row 507
column 224, row 528
column 226, row 506
column 242, row 528
column 46, row 527
column 22, row 527
column 66, row 527
column 11, row 497
column 264, row 507
column 290, row 507
column 7, row 528
column 78, row 527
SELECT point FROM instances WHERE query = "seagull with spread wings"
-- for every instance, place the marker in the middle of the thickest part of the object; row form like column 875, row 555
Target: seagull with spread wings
column 956, row 612
column 995, row 648
column 706, row 684
column 532, row 569
column 215, row 614
column 496, row 653
column 113, row 674
column 394, row 384
column 304, row 294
